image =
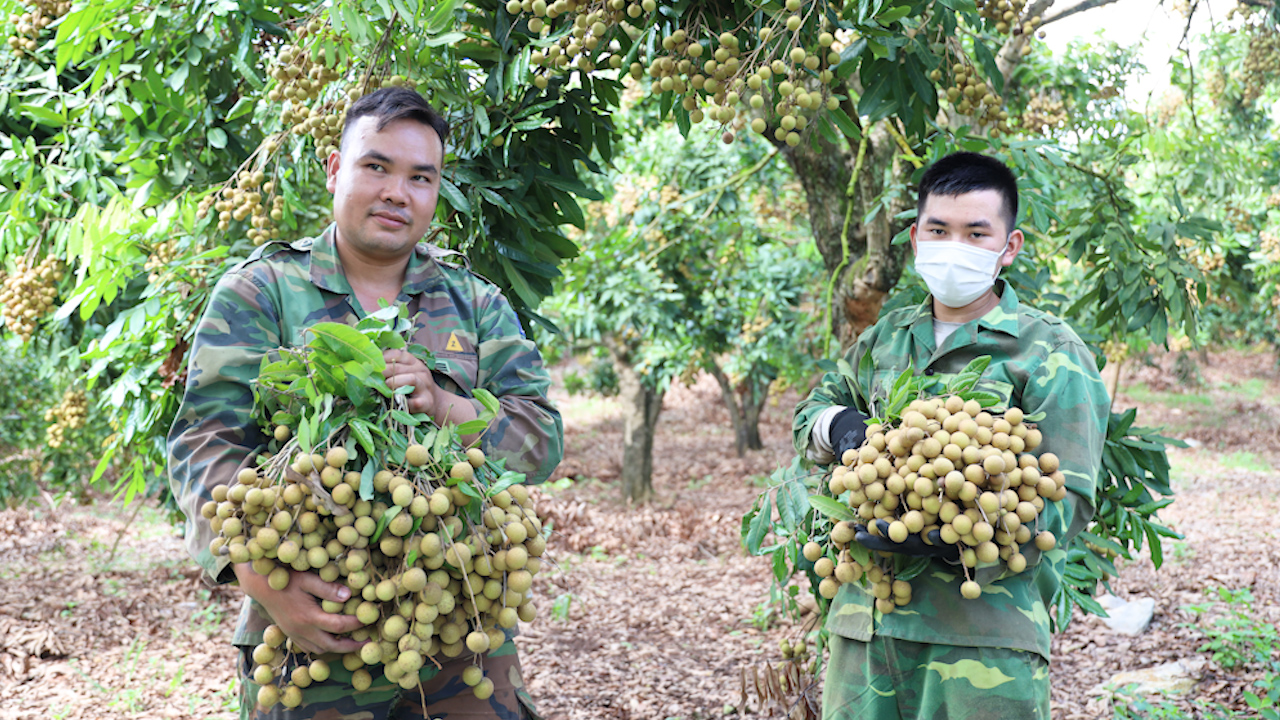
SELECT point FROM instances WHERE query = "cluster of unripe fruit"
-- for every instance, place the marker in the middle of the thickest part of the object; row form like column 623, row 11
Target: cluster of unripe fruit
column 425, row 581
column 1008, row 17
column 723, row 77
column 252, row 199
column 302, row 72
column 1262, row 63
column 162, row 253
column 28, row 294
column 1042, row 114
column 70, row 414
column 947, row 466
column 30, row 24
column 971, row 96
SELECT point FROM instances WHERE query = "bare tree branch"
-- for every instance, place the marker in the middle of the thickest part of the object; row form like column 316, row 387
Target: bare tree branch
column 1077, row 8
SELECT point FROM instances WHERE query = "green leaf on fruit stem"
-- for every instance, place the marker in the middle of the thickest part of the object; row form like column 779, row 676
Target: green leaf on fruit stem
column 832, row 508
column 387, row 517
column 504, row 481
column 405, row 418
column 366, row 479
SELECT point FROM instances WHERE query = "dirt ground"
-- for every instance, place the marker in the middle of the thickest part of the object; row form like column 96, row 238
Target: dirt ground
column 654, row 611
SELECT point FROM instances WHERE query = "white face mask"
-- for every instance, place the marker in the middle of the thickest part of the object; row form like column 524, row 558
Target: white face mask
column 957, row 273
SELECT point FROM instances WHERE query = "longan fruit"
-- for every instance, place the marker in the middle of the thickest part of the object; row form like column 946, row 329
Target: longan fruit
column 970, row 590
column 812, row 551
column 417, row 455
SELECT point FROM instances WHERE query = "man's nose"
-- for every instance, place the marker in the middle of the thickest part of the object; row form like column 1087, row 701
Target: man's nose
column 394, row 190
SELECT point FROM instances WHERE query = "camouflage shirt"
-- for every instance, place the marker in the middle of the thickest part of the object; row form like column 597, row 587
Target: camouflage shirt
column 1037, row 364
column 266, row 302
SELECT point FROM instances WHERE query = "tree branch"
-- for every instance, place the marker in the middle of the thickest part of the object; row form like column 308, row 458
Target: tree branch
column 1010, row 54
column 1077, row 8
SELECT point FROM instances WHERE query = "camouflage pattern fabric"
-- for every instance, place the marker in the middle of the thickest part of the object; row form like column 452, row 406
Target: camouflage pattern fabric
column 442, row 695
column 268, row 301
column 891, row 679
column 1037, row 364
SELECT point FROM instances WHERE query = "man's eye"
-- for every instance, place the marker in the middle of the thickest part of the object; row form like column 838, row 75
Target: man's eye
column 375, row 167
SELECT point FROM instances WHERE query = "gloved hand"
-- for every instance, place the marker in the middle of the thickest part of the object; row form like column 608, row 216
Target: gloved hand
column 848, row 431
column 913, row 545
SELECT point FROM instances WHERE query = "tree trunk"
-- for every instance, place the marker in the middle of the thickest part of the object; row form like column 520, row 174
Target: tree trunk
column 641, row 407
column 744, row 415
column 873, row 265
column 752, row 405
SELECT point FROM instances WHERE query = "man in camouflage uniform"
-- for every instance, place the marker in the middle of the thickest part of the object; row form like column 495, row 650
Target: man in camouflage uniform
column 942, row 656
column 385, row 180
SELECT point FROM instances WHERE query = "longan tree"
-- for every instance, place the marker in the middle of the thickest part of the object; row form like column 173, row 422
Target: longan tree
column 147, row 147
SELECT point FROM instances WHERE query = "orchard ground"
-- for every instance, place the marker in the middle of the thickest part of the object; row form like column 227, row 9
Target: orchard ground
column 655, row 611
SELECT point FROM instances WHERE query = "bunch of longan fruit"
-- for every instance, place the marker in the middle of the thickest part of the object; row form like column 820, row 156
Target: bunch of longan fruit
column 30, row 24
column 947, row 466
column 427, row 578
column 720, row 75
column 28, row 294
column 70, row 414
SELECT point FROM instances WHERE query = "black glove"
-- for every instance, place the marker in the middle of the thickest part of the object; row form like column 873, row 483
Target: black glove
column 848, row 431
column 913, row 545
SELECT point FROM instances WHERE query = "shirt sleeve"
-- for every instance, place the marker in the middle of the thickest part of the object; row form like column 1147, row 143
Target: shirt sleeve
column 528, row 432
column 834, row 390
column 214, row 433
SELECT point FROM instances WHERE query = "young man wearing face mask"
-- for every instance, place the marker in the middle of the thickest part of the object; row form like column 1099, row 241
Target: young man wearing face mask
column 942, row 655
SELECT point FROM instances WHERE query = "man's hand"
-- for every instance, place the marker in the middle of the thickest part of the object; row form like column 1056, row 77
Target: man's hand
column 296, row 609
column 405, row 369
column 427, row 397
column 913, row 545
column 848, row 431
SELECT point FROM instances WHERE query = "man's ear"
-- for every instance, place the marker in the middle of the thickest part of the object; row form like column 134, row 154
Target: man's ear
column 912, row 233
column 331, row 170
column 1016, row 241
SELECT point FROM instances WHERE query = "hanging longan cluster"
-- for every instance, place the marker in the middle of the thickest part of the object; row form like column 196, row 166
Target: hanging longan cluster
column 1262, row 63
column 723, row 77
column 28, row 294
column 70, row 414
column 1043, row 114
column 161, row 255
column 303, row 72
column 1270, row 246
column 948, row 466
column 1009, row 18
column 244, row 202
column 969, row 95
column 424, row 580
column 1239, row 218
column 30, row 24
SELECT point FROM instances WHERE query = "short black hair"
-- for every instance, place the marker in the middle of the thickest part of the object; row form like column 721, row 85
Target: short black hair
column 966, row 172
column 396, row 103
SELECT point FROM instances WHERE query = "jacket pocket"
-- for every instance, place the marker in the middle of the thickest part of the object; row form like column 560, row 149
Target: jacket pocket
column 460, row 369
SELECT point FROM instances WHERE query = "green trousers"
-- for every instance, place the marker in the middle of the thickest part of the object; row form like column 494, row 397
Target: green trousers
column 890, row 679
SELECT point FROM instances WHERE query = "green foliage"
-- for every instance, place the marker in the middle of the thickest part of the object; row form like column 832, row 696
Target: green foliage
column 1135, row 468
column 128, row 120
column 1235, row 639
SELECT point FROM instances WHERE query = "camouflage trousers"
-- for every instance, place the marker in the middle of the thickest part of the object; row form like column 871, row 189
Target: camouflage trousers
column 891, row 679
column 441, row 694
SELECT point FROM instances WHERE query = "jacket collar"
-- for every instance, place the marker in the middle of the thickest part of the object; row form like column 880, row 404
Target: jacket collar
column 327, row 274
column 1002, row 318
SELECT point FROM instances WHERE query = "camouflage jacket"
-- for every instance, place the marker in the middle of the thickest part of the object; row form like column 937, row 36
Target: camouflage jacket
column 1037, row 364
column 266, row 302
